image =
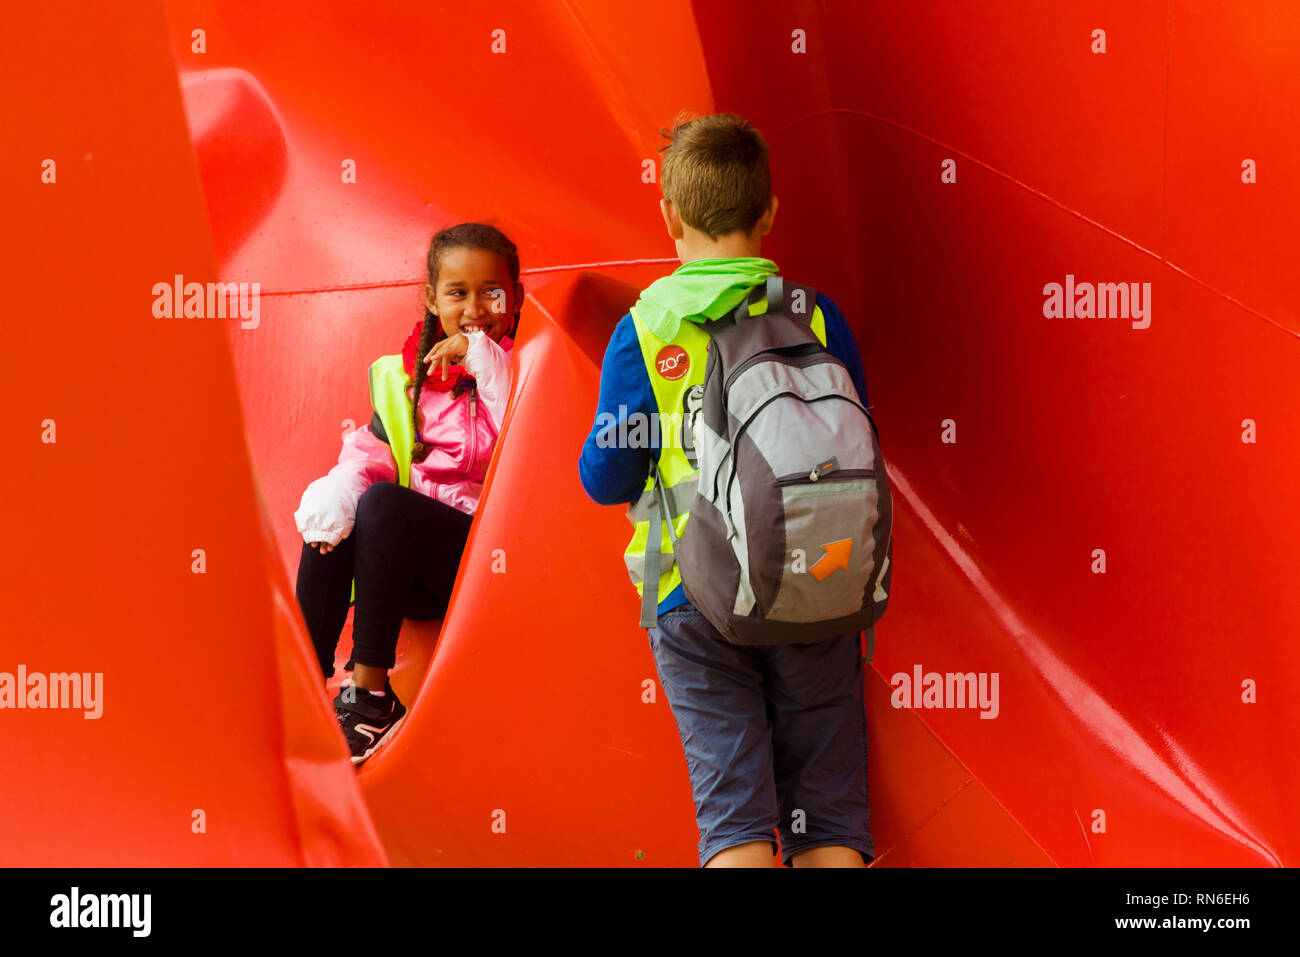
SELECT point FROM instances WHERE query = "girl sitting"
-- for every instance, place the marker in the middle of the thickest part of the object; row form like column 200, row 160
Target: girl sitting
column 389, row 522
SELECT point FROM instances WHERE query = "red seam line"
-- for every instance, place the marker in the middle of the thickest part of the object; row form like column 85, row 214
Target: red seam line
column 395, row 283
column 1057, row 203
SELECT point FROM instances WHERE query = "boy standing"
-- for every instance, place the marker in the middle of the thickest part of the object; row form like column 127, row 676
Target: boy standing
column 775, row 735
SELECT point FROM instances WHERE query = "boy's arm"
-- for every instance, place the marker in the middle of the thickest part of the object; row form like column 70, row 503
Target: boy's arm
column 841, row 343
column 612, row 475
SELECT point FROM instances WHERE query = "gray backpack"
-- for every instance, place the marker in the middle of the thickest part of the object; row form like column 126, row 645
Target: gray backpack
column 789, row 536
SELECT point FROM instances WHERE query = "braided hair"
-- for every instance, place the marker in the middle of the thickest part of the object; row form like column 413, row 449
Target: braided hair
column 462, row 236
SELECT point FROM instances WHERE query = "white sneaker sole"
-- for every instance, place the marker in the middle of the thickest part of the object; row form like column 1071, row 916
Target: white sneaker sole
column 387, row 736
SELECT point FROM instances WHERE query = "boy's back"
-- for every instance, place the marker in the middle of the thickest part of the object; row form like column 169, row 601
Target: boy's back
column 775, row 736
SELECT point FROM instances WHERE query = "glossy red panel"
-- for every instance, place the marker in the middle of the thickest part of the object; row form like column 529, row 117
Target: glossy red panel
column 1020, row 444
column 1121, row 692
column 137, row 555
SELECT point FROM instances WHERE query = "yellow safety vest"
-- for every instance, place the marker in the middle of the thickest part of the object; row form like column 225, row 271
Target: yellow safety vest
column 392, row 421
column 679, row 478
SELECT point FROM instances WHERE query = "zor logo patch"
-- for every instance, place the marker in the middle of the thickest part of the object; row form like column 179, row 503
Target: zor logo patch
column 672, row 362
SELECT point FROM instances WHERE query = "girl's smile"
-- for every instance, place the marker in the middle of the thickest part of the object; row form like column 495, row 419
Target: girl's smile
column 474, row 293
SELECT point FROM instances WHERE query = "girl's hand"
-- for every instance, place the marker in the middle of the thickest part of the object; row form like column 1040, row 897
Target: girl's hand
column 324, row 547
column 452, row 349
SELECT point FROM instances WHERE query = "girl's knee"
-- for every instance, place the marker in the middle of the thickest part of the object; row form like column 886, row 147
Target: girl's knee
column 378, row 499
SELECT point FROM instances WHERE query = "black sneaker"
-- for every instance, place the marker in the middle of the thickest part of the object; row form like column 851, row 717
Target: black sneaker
column 367, row 721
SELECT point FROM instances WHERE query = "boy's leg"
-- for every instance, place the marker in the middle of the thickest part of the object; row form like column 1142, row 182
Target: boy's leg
column 408, row 550
column 753, row 854
column 324, row 591
column 819, row 741
column 715, row 690
column 829, row 855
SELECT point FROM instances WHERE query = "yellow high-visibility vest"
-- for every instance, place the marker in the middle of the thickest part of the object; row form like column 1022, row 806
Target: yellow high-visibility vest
column 663, row 362
column 392, row 421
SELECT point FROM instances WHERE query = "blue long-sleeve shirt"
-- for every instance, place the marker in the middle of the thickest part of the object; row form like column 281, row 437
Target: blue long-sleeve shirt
column 614, row 475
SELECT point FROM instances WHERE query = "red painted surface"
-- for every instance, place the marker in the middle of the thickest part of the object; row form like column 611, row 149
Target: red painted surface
column 136, row 547
column 1120, row 692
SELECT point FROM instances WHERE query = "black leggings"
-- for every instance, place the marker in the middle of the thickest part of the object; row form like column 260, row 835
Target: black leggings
column 404, row 552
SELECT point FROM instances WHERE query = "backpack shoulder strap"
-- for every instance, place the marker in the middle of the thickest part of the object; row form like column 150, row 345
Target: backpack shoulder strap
column 779, row 295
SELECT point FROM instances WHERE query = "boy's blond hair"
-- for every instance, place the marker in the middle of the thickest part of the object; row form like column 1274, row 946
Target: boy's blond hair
column 715, row 172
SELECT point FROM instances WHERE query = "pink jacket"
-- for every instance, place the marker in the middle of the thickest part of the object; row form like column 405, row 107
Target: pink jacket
column 462, row 432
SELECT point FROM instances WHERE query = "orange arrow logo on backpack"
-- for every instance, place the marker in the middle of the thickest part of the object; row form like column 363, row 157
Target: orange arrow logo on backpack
column 837, row 556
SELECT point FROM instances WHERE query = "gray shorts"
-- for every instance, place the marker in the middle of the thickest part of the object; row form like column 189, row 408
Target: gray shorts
column 775, row 736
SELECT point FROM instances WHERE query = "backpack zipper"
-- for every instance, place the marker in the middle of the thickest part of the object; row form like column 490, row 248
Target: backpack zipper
column 766, row 402
column 803, row 478
column 473, row 428
column 740, row 431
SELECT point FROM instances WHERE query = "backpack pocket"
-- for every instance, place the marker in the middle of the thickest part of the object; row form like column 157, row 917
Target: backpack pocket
column 828, row 545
